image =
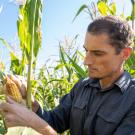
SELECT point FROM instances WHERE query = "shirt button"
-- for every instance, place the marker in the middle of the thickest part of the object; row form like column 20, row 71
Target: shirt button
column 90, row 113
column 98, row 93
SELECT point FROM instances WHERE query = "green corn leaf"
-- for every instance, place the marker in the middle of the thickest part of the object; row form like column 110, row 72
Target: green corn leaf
column 5, row 44
column 80, row 10
column 102, row 7
column 133, row 10
column 30, row 16
column 17, row 66
column 113, row 8
column 80, row 72
column 62, row 53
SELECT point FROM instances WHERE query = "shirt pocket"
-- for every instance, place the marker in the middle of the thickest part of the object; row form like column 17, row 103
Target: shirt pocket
column 107, row 121
column 112, row 116
column 79, row 108
column 78, row 113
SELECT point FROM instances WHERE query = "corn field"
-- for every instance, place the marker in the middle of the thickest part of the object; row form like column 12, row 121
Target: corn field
column 52, row 81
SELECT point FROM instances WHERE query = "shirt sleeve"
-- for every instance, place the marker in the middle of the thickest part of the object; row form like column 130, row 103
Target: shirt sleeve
column 127, row 126
column 59, row 118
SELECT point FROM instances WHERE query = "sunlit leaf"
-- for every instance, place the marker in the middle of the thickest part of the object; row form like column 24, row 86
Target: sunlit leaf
column 113, row 8
column 133, row 10
column 102, row 7
column 81, row 73
column 80, row 10
column 5, row 44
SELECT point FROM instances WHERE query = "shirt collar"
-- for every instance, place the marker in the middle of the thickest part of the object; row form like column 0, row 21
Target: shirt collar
column 123, row 82
column 92, row 82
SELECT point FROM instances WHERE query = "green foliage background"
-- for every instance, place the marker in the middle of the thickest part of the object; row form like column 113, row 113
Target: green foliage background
column 52, row 82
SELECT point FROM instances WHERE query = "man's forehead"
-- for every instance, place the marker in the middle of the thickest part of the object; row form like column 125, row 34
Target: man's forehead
column 100, row 41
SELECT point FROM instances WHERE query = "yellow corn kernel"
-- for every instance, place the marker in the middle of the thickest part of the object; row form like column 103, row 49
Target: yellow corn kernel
column 13, row 90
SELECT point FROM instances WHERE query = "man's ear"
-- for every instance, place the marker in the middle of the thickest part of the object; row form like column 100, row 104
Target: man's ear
column 127, row 51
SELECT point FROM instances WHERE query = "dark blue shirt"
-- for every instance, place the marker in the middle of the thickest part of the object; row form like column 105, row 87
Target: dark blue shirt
column 90, row 110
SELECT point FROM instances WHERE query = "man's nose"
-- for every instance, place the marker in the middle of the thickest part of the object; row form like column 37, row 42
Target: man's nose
column 88, row 59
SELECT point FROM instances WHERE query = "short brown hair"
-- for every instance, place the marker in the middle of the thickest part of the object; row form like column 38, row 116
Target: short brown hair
column 118, row 30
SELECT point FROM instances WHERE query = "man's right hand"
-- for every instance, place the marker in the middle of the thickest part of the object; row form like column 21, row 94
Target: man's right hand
column 16, row 114
column 19, row 115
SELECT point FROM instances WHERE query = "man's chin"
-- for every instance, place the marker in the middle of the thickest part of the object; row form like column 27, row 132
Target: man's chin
column 94, row 76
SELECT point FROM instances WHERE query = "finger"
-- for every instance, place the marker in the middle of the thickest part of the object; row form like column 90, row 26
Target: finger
column 23, row 90
column 9, row 124
column 4, row 106
column 35, row 106
column 21, row 78
column 15, row 80
column 23, row 87
column 12, row 124
column 10, row 100
column 20, row 84
column 9, row 119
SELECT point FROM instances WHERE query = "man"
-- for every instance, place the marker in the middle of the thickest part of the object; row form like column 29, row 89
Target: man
column 104, row 103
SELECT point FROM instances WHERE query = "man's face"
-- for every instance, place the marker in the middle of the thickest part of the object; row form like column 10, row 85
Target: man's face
column 101, row 57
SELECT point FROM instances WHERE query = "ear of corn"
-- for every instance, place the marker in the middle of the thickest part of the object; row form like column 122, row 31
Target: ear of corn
column 12, row 90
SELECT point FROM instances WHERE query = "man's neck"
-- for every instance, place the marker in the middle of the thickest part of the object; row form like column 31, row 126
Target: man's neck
column 109, row 80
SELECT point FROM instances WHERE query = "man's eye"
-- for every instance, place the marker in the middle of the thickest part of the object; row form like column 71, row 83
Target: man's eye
column 98, row 54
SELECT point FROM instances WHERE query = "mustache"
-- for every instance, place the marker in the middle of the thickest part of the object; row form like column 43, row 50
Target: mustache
column 92, row 68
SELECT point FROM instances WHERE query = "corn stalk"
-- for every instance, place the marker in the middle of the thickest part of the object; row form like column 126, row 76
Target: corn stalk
column 29, row 31
column 30, row 63
column 133, row 13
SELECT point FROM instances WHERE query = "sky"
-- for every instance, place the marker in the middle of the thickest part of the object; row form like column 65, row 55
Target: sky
column 56, row 25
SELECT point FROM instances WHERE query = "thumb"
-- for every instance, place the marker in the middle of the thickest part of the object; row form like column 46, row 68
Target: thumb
column 10, row 100
column 15, row 80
